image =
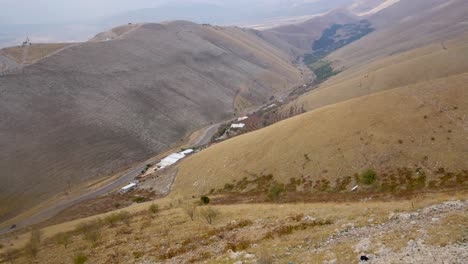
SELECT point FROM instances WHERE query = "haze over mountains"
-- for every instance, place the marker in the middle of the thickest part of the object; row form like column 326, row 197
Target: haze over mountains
column 81, row 20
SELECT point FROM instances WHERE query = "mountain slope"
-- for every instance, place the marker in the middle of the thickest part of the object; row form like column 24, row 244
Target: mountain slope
column 298, row 38
column 419, row 65
column 403, row 26
column 97, row 107
column 417, row 126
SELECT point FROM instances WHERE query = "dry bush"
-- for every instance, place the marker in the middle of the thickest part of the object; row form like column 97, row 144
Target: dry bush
column 201, row 257
column 32, row 247
column 153, row 210
column 10, row 255
column 189, row 209
column 63, row 239
column 209, row 214
column 145, row 223
column 124, row 230
column 275, row 191
column 238, row 245
column 80, row 258
column 91, row 231
column 265, row 258
column 125, row 217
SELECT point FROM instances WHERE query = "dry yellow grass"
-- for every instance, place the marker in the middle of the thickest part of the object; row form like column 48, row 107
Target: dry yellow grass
column 172, row 228
column 421, row 125
column 34, row 52
column 412, row 67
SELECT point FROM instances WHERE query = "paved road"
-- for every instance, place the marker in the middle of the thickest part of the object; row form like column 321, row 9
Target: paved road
column 125, row 178
column 205, row 138
column 51, row 211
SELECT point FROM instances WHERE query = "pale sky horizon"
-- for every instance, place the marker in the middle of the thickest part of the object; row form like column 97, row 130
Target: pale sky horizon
column 60, row 11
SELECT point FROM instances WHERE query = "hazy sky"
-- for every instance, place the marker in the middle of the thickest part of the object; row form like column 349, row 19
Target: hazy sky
column 50, row 11
column 45, row 11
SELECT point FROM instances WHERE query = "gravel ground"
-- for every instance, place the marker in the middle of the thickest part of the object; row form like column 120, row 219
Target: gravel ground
column 402, row 223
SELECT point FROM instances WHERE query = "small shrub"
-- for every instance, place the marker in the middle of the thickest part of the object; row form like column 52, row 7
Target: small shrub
column 205, row 200
column 124, row 230
column 238, row 245
column 91, row 231
column 112, row 219
column 80, row 258
column 137, row 254
column 139, row 199
column 32, row 247
column 63, row 239
column 189, row 209
column 209, row 214
column 11, row 254
column 153, row 210
column 275, row 191
column 125, row 217
column 265, row 258
column 368, row 177
column 145, row 224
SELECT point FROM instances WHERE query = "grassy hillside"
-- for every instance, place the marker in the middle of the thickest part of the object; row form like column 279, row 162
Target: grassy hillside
column 97, row 107
column 255, row 233
column 419, row 65
column 420, row 128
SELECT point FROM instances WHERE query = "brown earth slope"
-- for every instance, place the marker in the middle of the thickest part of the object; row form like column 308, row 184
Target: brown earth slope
column 418, row 125
column 100, row 106
column 32, row 53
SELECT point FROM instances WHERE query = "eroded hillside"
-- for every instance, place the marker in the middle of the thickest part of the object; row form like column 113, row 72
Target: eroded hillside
column 97, row 107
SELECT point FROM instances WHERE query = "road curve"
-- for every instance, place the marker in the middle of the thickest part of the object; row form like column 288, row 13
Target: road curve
column 51, row 211
column 203, row 139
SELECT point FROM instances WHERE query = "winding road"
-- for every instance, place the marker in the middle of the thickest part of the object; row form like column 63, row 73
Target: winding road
column 127, row 177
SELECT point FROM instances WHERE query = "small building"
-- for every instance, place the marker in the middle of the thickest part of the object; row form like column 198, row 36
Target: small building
column 187, row 152
column 170, row 160
column 128, row 188
column 240, row 125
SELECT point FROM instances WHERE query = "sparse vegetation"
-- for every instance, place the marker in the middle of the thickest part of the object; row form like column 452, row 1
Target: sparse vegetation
column 80, row 258
column 368, row 177
column 113, row 219
column 209, row 214
column 189, row 209
column 205, row 200
column 91, row 231
column 10, row 255
column 63, row 238
column 139, row 199
column 137, row 254
column 275, row 191
column 33, row 246
column 323, row 70
column 153, row 210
